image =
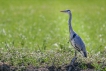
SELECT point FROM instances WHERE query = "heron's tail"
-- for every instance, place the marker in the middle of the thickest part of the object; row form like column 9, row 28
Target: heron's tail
column 84, row 53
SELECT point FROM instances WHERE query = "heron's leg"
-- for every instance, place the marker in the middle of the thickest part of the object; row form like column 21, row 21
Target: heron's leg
column 72, row 62
column 75, row 53
column 74, row 59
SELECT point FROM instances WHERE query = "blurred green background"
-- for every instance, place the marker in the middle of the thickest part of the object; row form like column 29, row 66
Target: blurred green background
column 39, row 23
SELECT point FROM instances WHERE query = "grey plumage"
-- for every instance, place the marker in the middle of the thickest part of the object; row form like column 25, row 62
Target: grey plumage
column 75, row 40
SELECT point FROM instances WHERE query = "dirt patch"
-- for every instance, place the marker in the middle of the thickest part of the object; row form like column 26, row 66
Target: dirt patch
column 6, row 67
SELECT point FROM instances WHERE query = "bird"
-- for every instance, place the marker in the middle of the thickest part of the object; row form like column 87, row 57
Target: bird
column 75, row 39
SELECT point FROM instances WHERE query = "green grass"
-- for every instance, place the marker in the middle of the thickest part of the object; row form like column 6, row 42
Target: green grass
column 36, row 30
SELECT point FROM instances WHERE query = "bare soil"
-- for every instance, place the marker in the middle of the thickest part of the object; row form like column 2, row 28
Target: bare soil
column 6, row 67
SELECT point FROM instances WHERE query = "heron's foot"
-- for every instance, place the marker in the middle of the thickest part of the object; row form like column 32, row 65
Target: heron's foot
column 73, row 61
column 71, row 66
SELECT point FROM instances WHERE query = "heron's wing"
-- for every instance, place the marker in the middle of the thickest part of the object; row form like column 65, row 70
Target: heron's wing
column 78, row 43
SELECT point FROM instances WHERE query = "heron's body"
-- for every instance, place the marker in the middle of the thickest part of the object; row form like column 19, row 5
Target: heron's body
column 78, row 44
column 75, row 40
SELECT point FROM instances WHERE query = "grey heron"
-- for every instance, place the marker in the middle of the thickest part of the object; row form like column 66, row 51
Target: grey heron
column 75, row 39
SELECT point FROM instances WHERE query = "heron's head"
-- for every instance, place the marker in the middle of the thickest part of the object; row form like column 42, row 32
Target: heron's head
column 66, row 11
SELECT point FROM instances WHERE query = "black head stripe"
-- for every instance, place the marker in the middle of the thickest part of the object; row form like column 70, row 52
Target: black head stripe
column 68, row 10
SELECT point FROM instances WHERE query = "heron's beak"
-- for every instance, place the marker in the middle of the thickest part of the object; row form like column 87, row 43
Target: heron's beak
column 62, row 11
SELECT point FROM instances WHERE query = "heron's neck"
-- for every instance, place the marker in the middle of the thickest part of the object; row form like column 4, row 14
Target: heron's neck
column 69, row 23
